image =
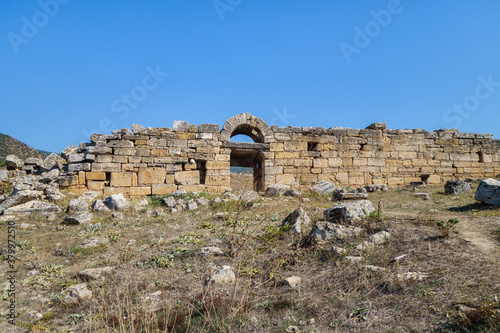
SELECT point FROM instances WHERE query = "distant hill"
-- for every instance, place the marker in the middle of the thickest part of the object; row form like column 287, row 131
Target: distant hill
column 9, row 145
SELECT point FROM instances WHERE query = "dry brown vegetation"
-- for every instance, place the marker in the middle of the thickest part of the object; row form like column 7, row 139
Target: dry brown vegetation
column 160, row 282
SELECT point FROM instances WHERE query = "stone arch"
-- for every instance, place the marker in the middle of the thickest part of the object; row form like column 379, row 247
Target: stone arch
column 246, row 124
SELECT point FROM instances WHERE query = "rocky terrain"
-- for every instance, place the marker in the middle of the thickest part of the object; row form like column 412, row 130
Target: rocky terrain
column 409, row 259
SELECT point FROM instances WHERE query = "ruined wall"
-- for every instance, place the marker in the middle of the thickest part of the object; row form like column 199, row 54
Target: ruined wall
column 157, row 161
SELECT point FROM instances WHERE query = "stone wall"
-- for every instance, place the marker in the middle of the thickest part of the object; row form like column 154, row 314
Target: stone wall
column 157, row 161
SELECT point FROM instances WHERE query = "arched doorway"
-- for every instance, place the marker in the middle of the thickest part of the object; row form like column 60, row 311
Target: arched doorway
column 248, row 154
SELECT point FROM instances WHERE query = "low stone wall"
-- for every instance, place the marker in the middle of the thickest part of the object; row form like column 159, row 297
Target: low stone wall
column 157, row 161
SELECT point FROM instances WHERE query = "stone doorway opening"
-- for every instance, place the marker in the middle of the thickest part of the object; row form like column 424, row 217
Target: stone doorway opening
column 252, row 160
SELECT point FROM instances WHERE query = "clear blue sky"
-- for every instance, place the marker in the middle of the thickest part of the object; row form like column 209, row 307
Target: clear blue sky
column 85, row 66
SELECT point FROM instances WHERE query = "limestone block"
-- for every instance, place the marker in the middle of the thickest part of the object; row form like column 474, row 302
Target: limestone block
column 278, row 170
column 121, row 179
column 163, row 189
column 218, row 180
column 99, row 150
column 79, row 167
column 286, row 179
column 119, row 159
column 140, row 191
column 95, row 175
column 217, row 165
column 105, row 167
column 148, row 176
column 69, row 151
column 192, row 188
column 120, row 144
column 180, row 126
column 295, row 146
column 93, row 185
column 104, row 158
column 287, row 155
column 124, row 151
column 147, row 152
column 187, row 177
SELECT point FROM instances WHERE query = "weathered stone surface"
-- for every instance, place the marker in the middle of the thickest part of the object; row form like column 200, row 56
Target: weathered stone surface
column 203, row 202
column 293, row 282
column 376, row 187
column 13, row 162
column 4, row 175
column 20, row 197
column 457, row 187
column 298, row 221
column 99, row 206
column 323, row 187
column 33, row 161
column 211, row 250
column 170, row 202
column 94, row 241
column 51, row 161
column 89, row 196
column 50, row 176
column 79, row 167
column 78, row 217
column 350, row 194
column 292, row 193
column 191, row 205
column 249, row 196
column 326, row 231
column 187, row 177
column 52, row 193
column 276, row 190
column 223, row 275
column 488, row 192
column 71, row 149
column 33, row 207
column 178, row 193
column 376, row 239
column 180, row 126
column 75, row 294
column 95, row 273
column 117, row 202
column 349, row 212
column 77, row 205
column 424, row 196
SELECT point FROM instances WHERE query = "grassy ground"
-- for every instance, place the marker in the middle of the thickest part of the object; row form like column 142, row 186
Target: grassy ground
column 160, row 280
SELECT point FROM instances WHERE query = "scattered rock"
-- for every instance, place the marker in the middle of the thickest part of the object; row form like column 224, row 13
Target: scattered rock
column 77, row 205
column 71, row 149
column 354, row 258
column 143, row 203
column 293, row 282
column 169, row 202
column 306, row 200
column 191, row 205
column 220, row 216
column 50, row 176
column 94, row 241
column 52, row 193
column 230, row 196
column 249, row 196
column 349, row 212
column 374, row 268
column 178, row 193
column 79, row 217
column 223, row 274
column 292, row 329
column 4, row 175
column 424, row 196
column 376, row 239
column 276, row 190
column 27, row 226
column 416, row 276
column 33, row 207
column 297, row 220
column 203, row 202
column 211, row 250
column 488, row 192
column 418, row 184
column 117, row 202
column 292, row 193
column 20, row 197
column 325, row 231
column 99, row 206
column 345, row 193
column 117, row 215
column 398, row 258
column 51, row 161
column 376, row 187
column 76, row 293
column 323, row 187
column 336, row 250
column 95, row 273
column 13, row 162
column 217, row 200
column 89, row 195
column 158, row 212
column 457, row 187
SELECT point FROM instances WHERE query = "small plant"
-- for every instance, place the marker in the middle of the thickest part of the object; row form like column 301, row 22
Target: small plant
column 272, row 232
column 114, row 236
column 93, row 229
column 156, row 201
column 447, row 227
column 162, row 261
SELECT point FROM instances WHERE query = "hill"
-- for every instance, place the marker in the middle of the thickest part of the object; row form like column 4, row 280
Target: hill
column 9, row 145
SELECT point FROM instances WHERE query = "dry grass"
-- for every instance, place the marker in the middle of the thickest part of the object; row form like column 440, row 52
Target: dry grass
column 160, row 283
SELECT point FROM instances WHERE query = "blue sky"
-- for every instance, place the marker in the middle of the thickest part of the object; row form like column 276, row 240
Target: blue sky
column 69, row 68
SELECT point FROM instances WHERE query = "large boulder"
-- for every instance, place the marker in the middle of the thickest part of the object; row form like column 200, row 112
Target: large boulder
column 77, row 205
column 79, row 217
column 117, row 202
column 276, row 190
column 13, row 162
column 323, row 187
column 488, row 192
column 457, row 187
column 349, row 212
column 326, row 231
column 298, row 220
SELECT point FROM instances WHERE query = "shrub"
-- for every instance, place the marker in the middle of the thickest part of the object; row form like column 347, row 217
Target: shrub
column 446, row 227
